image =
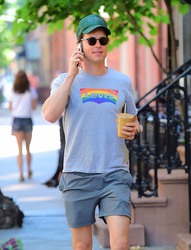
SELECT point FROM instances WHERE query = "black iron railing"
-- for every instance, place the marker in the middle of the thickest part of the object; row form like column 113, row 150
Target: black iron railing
column 165, row 115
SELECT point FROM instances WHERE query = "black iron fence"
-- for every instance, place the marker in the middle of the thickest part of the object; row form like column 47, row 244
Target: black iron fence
column 165, row 115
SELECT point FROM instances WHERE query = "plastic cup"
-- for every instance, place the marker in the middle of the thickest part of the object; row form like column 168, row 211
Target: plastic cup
column 122, row 120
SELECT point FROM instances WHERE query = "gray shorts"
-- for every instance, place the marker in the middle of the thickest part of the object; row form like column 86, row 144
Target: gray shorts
column 83, row 192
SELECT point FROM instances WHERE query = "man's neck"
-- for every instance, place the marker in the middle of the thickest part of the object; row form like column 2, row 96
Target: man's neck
column 95, row 69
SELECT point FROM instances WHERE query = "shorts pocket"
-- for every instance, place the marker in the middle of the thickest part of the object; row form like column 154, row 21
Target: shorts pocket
column 127, row 178
column 120, row 176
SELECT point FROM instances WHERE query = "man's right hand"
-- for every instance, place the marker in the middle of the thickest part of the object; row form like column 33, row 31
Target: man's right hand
column 76, row 61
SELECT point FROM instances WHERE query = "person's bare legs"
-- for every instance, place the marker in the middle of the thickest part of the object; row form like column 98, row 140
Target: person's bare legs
column 119, row 232
column 82, row 238
column 28, row 137
column 19, row 137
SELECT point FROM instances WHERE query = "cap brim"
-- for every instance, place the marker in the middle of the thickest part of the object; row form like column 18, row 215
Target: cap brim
column 88, row 30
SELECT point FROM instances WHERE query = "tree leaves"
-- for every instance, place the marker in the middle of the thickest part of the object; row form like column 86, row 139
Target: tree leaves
column 55, row 26
column 124, row 17
column 54, row 12
column 183, row 7
column 6, row 44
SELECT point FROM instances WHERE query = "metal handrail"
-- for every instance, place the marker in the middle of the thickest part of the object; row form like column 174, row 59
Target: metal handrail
column 166, row 122
column 165, row 81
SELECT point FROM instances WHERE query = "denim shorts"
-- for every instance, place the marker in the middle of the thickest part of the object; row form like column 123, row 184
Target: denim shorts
column 22, row 124
column 84, row 192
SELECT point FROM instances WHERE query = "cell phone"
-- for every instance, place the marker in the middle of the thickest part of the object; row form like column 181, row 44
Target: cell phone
column 80, row 47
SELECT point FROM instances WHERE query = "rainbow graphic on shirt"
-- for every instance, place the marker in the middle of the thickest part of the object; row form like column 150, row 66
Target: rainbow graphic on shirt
column 99, row 95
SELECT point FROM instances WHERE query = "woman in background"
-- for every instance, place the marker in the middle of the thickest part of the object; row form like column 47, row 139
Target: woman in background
column 23, row 100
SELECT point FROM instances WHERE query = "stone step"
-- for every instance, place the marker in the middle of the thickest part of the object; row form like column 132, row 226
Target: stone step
column 184, row 242
column 136, row 234
column 164, row 217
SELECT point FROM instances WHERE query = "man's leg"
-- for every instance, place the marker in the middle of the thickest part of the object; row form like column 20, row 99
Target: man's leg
column 82, row 238
column 119, row 232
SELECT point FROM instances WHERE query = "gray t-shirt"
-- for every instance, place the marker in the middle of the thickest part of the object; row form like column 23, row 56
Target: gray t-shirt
column 92, row 144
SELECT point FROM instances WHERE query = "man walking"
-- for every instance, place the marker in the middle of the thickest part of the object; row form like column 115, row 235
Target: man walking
column 96, row 167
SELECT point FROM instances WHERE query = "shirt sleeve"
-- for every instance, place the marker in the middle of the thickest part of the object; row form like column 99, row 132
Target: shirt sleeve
column 130, row 101
column 57, row 82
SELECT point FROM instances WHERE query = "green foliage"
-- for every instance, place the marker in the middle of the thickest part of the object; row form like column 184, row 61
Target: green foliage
column 6, row 44
column 7, row 39
column 55, row 26
column 124, row 17
column 182, row 6
column 2, row 6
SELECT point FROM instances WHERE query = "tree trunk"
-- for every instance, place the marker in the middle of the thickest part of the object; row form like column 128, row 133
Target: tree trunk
column 172, row 42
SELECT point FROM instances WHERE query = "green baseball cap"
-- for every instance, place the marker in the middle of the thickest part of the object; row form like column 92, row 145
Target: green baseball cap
column 90, row 23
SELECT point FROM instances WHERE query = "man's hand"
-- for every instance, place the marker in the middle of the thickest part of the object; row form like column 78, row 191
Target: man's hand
column 75, row 61
column 129, row 130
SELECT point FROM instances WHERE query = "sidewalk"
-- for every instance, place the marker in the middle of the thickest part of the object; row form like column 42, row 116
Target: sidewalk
column 44, row 224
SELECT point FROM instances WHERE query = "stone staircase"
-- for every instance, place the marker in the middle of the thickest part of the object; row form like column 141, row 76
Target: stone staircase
column 184, row 242
column 158, row 221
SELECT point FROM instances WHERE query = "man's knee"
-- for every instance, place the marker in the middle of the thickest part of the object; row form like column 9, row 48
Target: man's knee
column 121, row 243
column 82, row 245
column 82, row 238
